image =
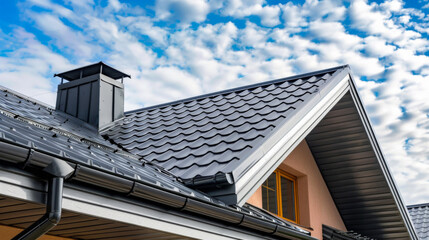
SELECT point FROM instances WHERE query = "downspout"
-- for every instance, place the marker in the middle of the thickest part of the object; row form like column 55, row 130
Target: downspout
column 57, row 170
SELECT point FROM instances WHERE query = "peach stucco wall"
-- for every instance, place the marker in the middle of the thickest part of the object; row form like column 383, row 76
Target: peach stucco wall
column 315, row 204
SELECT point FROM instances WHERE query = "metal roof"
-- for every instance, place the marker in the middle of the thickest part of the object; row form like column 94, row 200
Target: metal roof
column 26, row 140
column 49, row 118
column 92, row 69
column 210, row 136
column 219, row 137
column 419, row 213
column 215, row 139
column 330, row 233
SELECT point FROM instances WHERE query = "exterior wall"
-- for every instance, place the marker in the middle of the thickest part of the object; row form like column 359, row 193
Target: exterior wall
column 10, row 232
column 315, row 204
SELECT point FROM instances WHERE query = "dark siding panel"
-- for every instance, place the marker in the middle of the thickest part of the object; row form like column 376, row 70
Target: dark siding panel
column 106, row 103
column 93, row 110
column 63, row 101
column 71, row 107
column 119, row 103
column 84, row 104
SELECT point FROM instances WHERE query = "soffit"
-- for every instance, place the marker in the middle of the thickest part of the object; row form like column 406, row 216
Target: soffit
column 21, row 214
column 354, row 175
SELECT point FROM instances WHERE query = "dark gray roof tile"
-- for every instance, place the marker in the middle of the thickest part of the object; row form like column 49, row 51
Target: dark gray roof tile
column 257, row 90
column 206, row 135
column 420, row 216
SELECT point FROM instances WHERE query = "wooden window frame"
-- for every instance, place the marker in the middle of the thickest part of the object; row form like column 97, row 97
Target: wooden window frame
column 280, row 173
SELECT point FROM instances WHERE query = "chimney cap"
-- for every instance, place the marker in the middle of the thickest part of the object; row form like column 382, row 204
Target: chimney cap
column 92, row 69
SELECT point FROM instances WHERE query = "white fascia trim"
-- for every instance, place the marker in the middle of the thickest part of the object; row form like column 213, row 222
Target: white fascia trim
column 300, row 126
column 19, row 184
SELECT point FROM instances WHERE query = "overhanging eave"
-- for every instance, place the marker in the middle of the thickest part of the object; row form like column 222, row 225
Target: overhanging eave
column 356, row 173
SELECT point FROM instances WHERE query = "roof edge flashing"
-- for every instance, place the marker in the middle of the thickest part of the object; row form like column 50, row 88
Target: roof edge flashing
column 216, row 181
column 88, row 70
column 227, row 91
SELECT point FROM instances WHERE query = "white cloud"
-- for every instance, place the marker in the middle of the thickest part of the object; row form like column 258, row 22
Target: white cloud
column 392, row 5
column 269, row 15
column 253, row 35
column 366, row 17
column 252, row 41
column 377, row 47
column 160, row 85
column 56, row 8
column 300, row 15
column 184, row 11
column 144, row 26
column 334, row 32
column 115, row 5
column 86, row 4
column 25, row 70
column 63, row 35
column 293, row 15
column 330, row 10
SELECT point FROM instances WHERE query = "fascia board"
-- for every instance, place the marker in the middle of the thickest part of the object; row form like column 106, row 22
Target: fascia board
column 275, row 149
column 19, row 184
column 381, row 160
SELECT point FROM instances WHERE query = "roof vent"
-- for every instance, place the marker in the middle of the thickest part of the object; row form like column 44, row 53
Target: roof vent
column 92, row 94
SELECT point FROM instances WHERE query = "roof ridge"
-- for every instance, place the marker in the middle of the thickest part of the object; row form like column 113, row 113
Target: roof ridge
column 291, row 78
column 418, row 205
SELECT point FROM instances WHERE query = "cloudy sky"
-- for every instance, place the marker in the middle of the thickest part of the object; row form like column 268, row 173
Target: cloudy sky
column 181, row 48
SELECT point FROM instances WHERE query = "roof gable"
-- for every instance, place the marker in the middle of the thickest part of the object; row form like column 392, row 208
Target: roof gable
column 278, row 123
column 156, row 131
column 206, row 140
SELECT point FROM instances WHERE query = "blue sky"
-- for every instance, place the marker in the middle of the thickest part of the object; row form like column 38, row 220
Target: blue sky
column 180, row 48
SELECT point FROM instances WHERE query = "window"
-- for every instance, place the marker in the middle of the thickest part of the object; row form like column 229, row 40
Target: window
column 279, row 195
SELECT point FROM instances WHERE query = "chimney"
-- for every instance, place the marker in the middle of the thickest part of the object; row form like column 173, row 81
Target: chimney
column 92, row 94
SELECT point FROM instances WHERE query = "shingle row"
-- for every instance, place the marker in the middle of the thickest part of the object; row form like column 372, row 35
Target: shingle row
column 49, row 117
column 420, row 217
column 206, row 135
column 31, row 135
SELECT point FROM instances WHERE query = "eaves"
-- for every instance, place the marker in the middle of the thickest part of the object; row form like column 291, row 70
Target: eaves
column 27, row 156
